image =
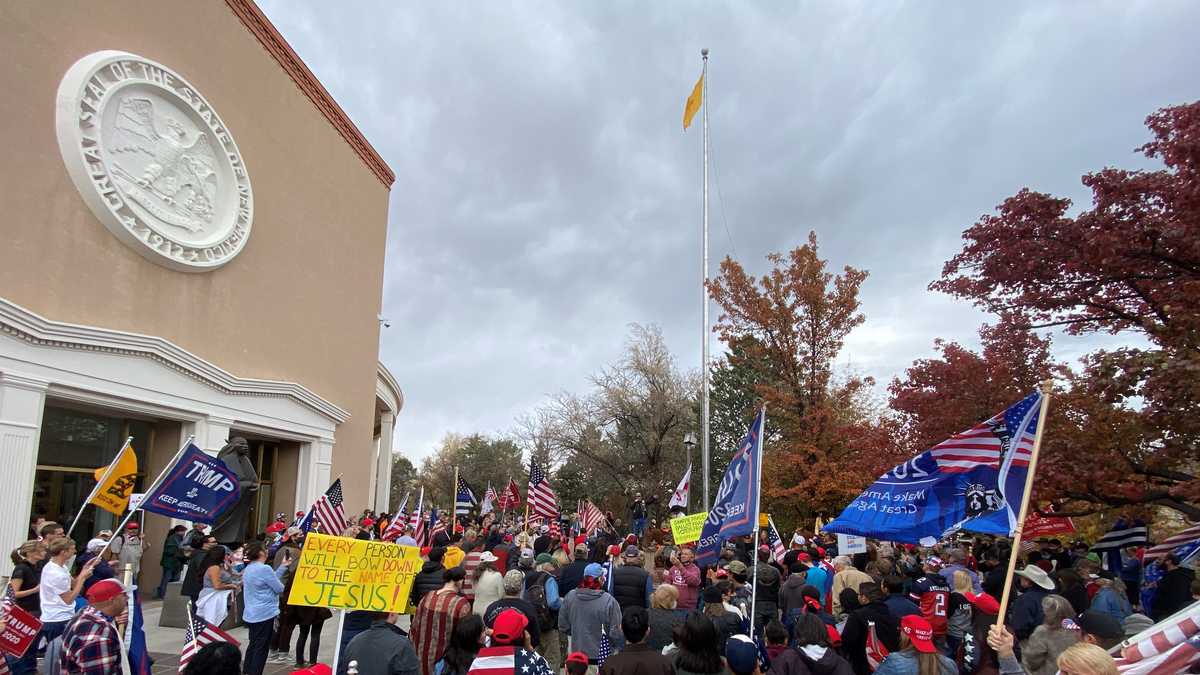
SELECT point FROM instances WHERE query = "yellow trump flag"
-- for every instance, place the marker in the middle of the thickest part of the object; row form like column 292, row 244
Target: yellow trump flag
column 113, row 490
column 693, row 102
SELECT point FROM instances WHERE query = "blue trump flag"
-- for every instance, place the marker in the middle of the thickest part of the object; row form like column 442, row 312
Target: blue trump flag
column 971, row 481
column 734, row 512
column 135, row 639
column 198, row 488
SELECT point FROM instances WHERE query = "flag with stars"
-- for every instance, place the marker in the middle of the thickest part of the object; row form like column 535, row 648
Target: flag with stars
column 197, row 634
column 972, row 481
column 509, row 660
column 604, row 649
column 774, row 541
column 542, row 500
column 328, row 511
column 464, row 499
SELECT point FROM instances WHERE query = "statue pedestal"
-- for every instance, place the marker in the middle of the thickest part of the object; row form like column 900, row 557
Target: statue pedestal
column 174, row 609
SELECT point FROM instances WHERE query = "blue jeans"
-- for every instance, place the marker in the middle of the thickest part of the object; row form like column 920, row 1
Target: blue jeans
column 167, row 577
column 639, row 527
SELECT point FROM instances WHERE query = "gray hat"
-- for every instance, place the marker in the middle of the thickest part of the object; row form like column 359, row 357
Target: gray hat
column 1136, row 623
column 1038, row 576
column 526, row 559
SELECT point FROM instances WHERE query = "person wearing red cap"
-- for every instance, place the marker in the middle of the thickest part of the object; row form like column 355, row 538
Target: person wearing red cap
column 128, row 547
column 510, row 652
column 917, row 652
column 91, row 644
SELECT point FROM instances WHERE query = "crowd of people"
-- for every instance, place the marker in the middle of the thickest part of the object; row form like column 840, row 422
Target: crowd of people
column 553, row 598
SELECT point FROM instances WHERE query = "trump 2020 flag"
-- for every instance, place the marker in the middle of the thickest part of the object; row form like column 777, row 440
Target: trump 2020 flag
column 734, row 510
column 971, row 481
column 198, row 488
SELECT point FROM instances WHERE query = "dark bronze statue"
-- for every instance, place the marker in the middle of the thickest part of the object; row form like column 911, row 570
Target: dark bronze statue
column 230, row 528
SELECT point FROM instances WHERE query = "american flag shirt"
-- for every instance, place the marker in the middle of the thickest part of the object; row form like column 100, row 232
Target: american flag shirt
column 509, row 660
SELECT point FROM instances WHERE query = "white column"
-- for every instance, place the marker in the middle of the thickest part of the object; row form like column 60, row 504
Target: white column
column 22, row 400
column 212, row 433
column 383, row 470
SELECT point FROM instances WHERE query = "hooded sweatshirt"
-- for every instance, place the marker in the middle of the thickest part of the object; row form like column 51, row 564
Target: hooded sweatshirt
column 428, row 579
column 584, row 612
column 789, row 594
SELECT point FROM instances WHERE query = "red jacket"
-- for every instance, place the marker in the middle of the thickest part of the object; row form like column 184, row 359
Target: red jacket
column 687, row 580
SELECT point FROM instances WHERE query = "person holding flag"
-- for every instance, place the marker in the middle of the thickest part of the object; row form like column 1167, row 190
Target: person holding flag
column 91, row 643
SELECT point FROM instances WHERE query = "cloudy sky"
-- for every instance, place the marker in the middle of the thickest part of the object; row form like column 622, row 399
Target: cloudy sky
column 546, row 196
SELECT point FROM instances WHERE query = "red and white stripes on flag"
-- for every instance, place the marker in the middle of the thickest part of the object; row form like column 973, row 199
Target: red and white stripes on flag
column 680, row 496
column 416, row 521
column 775, row 541
column 542, row 500
column 590, row 517
column 399, row 522
column 876, row 650
column 329, row 511
column 511, row 497
column 1156, row 650
column 980, row 446
column 489, row 501
column 197, row 634
column 1171, row 543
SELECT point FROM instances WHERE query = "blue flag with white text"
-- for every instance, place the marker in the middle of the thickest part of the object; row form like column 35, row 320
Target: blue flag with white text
column 734, row 510
column 198, row 488
column 971, row 481
column 139, row 656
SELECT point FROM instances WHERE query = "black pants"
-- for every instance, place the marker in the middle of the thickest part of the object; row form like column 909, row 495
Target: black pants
column 256, row 649
column 314, row 646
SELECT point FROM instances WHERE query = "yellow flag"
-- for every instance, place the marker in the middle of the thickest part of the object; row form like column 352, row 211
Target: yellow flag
column 113, row 493
column 693, row 102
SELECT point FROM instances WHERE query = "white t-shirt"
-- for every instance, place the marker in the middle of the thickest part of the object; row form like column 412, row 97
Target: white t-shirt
column 56, row 580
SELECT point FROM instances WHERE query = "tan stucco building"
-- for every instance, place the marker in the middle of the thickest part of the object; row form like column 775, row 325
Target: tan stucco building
column 193, row 239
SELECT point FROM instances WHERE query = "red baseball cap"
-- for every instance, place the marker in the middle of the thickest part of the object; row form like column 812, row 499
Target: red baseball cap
column 577, row 657
column 804, row 557
column 509, row 627
column 132, row 526
column 985, row 602
column 105, row 589
column 919, row 633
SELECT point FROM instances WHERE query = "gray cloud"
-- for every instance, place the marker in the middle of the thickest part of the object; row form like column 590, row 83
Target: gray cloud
column 546, row 195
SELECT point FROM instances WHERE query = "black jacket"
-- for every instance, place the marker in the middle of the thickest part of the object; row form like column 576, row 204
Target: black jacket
column 829, row 664
column 854, row 635
column 1027, row 612
column 428, row 579
column 638, row 659
column 629, row 586
column 570, row 576
column 193, row 580
column 1174, row 593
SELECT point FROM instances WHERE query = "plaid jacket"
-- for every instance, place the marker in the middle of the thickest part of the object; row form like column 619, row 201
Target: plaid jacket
column 91, row 645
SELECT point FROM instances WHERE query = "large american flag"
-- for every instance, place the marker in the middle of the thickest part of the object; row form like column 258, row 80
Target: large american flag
column 590, row 517
column 542, row 500
column 328, row 511
column 197, row 634
column 1189, row 536
column 438, row 526
column 509, row 661
column 1169, row 647
column 984, row 443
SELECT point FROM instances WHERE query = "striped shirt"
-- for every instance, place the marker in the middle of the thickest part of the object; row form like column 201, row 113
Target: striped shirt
column 433, row 623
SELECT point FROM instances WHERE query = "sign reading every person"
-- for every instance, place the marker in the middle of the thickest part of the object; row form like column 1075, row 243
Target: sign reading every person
column 344, row 573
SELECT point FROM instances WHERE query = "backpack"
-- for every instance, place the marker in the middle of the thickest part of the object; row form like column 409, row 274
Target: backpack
column 535, row 593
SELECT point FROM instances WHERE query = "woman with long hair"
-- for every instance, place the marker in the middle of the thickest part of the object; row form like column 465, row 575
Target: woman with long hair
column 726, row 622
column 1073, row 589
column 812, row 641
column 25, row 584
column 917, row 655
column 697, row 652
column 218, row 586
column 958, row 613
column 487, row 583
column 1040, row 652
column 1084, row 658
column 465, row 642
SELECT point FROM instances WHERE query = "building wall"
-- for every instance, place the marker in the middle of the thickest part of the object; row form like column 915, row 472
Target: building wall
column 298, row 304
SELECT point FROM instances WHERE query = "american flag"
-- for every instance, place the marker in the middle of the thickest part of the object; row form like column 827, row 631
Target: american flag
column 984, row 444
column 199, row 633
column 876, row 650
column 604, row 649
column 437, row 525
column 489, row 501
column 416, row 522
column 774, row 541
column 542, row 500
column 464, row 498
column 399, row 522
column 1189, row 536
column 509, row 661
column 328, row 511
column 1170, row 646
column 590, row 517
column 510, row 498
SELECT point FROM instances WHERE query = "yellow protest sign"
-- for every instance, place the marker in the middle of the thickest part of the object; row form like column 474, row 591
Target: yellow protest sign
column 344, row 573
column 686, row 529
column 112, row 493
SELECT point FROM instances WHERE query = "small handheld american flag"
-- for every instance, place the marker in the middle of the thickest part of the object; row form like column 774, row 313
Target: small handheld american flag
column 328, row 511
column 775, row 541
column 197, row 634
column 604, row 649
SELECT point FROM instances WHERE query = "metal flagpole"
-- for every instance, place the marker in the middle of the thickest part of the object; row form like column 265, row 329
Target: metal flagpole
column 103, row 479
column 704, row 458
column 762, row 428
column 166, row 469
column 1016, row 540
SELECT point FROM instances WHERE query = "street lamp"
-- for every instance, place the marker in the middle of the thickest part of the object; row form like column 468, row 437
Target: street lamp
column 689, row 442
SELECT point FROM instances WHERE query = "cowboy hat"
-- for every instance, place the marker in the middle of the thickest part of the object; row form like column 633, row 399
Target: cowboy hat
column 1038, row 576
